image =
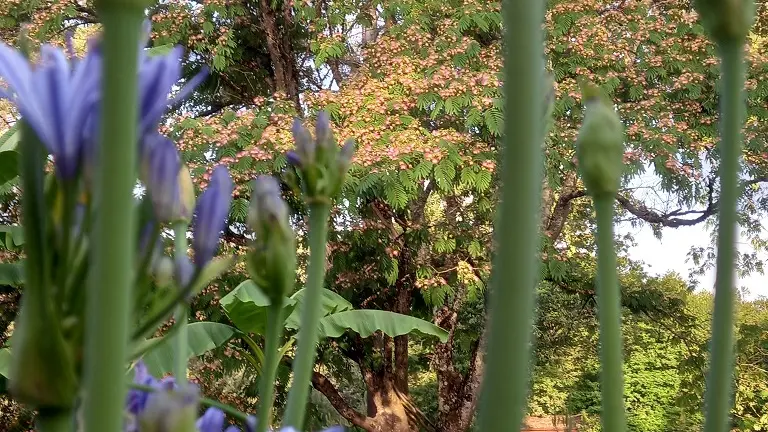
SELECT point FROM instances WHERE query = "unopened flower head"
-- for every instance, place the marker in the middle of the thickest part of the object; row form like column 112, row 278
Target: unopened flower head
column 600, row 144
column 322, row 164
column 272, row 257
column 211, row 215
column 54, row 98
column 161, row 168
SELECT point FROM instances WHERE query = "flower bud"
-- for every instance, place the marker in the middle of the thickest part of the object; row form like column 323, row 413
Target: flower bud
column 211, row 216
column 272, row 257
column 726, row 20
column 184, row 270
column 211, row 421
column 305, row 146
column 42, row 372
column 164, row 270
column 163, row 172
column 600, row 145
column 322, row 164
column 186, row 195
column 170, row 411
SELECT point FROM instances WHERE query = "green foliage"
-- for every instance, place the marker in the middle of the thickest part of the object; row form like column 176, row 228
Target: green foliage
column 367, row 322
column 202, row 337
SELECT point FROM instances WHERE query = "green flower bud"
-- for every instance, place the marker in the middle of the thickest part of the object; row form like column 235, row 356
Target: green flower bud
column 600, row 145
column 164, row 270
column 272, row 258
column 726, row 20
column 322, row 165
column 186, row 194
column 42, row 371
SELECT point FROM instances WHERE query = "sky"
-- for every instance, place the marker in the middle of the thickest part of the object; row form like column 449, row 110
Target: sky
column 670, row 253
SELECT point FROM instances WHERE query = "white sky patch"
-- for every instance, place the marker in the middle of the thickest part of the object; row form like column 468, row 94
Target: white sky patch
column 671, row 252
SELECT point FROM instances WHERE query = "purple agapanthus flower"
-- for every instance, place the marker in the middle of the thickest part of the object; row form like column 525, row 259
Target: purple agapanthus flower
column 157, row 77
column 161, row 166
column 211, row 215
column 212, row 420
column 55, row 97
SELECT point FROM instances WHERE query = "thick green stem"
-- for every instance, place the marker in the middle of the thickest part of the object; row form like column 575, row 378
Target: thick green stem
column 609, row 316
column 109, row 295
column 719, row 385
column 515, row 269
column 54, row 421
column 269, row 370
column 182, row 311
column 310, row 316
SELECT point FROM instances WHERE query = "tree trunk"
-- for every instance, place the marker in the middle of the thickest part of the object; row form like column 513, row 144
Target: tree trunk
column 281, row 50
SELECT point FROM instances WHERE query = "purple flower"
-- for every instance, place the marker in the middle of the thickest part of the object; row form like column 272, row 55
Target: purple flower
column 157, row 77
column 161, row 166
column 211, row 421
column 184, row 270
column 54, row 98
column 211, row 215
column 137, row 399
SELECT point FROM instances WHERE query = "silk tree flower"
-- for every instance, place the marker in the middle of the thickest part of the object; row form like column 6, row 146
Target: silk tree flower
column 54, row 98
column 211, row 216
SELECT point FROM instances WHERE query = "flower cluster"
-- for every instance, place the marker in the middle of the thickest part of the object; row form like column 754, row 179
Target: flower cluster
column 170, row 407
column 60, row 100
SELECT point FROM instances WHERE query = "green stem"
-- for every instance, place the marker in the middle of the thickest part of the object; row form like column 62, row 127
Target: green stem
column 54, row 421
column 310, row 315
column 109, row 291
column 719, row 385
column 182, row 310
column 515, row 267
column 271, row 360
column 68, row 207
column 233, row 412
column 609, row 316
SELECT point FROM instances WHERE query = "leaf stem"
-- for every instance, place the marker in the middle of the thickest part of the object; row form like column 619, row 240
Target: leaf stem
column 109, row 291
column 515, row 267
column 719, row 385
column 310, row 315
column 609, row 317
column 271, row 360
column 182, row 310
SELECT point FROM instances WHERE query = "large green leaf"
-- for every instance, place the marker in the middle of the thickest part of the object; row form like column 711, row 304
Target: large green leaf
column 5, row 362
column 12, row 273
column 9, row 165
column 332, row 303
column 246, row 306
column 11, row 236
column 202, row 336
column 367, row 321
column 10, row 139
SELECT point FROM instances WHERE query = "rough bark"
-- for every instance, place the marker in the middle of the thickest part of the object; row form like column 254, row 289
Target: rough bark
column 280, row 48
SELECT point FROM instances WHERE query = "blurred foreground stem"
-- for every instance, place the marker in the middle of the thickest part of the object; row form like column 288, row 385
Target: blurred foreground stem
column 182, row 310
column 609, row 317
column 271, row 360
column 109, row 289
column 719, row 381
column 515, row 267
